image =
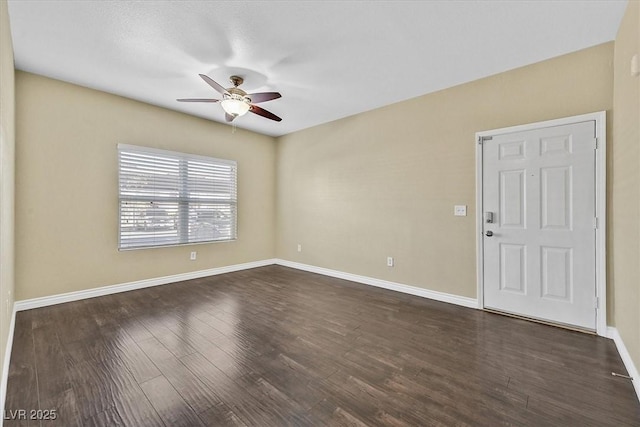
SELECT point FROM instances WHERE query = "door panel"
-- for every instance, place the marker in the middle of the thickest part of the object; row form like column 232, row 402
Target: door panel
column 557, row 281
column 555, row 198
column 512, row 199
column 540, row 260
column 513, row 261
column 556, row 146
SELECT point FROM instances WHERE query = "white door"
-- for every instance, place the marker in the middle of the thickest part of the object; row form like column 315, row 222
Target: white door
column 539, row 246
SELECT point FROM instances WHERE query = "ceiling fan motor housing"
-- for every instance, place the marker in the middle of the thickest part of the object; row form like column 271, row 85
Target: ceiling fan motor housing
column 235, row 93
column 240, row 95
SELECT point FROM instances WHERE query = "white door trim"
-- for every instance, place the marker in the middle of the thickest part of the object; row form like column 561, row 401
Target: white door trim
column 601, row 197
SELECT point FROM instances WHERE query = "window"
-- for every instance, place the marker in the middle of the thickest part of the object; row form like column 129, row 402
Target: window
column 169, row 198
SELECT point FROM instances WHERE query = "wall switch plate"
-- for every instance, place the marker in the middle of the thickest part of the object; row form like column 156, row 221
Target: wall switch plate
column 193, row 256
column 389, row 261
column 460, row 210
column 299, row 247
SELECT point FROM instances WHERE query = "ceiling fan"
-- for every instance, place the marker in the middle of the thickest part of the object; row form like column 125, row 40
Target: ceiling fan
column 237, row 102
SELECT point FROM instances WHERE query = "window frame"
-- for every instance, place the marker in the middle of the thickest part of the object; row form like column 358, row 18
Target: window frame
column 182, row 201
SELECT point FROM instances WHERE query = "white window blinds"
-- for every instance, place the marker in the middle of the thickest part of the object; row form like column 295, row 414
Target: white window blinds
column 169, row 198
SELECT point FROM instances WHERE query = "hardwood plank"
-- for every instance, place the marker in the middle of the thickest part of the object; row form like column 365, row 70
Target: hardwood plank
column 297, row 381
column 190, row 388
column 54, row 387
column 221, row 417
column 109, row 387
column 22, row 386
column 135, row 329
column 76, row 319
column 107, row 418
column 371, row 402
column 578, row 407
column 173, row 410
column 102, row 373
column 133, row 357
column 291, row 412
column 174, row 343
column 135, row 409
column 252, row 411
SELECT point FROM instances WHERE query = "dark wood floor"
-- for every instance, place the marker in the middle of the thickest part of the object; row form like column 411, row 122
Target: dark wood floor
column 274, row 346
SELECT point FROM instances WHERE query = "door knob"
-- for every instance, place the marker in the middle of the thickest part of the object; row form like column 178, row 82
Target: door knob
column 489, row 233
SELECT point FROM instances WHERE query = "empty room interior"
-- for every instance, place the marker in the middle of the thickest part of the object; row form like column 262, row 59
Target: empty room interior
column 317, row 213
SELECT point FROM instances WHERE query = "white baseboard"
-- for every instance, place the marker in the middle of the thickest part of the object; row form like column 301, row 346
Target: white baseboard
column 398, row 287
column 130, row 286
column 626, row 358
column 140, row 284
column 5, row 363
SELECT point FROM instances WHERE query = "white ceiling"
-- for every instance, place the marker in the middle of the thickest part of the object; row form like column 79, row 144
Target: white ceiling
column 329, row 59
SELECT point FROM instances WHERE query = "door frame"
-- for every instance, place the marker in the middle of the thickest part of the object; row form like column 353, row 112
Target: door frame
column 600, row 119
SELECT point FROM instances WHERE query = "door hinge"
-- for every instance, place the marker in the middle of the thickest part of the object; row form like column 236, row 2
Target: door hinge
column 595, row 143
column 597, row 303
column 595, row 222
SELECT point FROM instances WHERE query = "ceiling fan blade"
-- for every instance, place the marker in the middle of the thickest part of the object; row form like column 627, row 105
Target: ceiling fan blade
column 263, row 96
column 228, row 117
column 214, row 85
column 197, row 100
column 264, row 113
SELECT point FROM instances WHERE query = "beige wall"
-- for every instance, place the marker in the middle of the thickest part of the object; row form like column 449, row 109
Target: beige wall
column 352, row 192
column 625, row 204
column 67, row 194
column 7, row 163
column 384, row 183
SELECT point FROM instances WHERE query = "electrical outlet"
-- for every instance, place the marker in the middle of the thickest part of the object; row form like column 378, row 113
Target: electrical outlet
column 299, row 247
column 193, row 256
column 460, row 210
column 389, row 261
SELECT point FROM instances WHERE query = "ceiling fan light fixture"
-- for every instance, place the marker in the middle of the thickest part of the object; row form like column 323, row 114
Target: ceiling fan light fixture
column 236, row 102
column 235, row 107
